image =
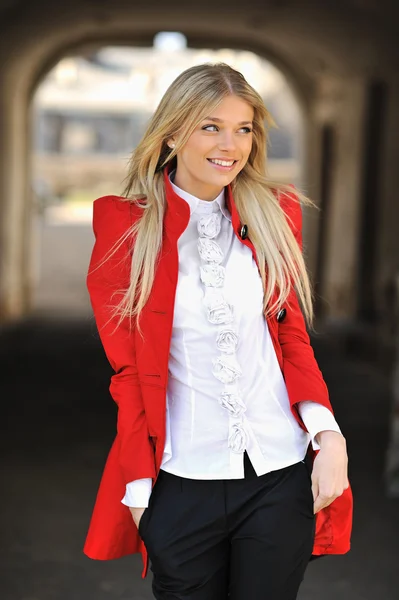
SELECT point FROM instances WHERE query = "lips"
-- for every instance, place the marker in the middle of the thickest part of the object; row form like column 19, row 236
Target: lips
column 222, row 162
column 225, row 160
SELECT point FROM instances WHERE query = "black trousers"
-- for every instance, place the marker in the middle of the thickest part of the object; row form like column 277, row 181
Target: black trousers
column 236, row 539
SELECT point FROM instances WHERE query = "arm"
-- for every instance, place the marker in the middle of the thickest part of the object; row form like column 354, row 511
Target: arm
column 111, row 218
column 317, row 419
column 138, row 493
column 304, row 381
column 303, row 377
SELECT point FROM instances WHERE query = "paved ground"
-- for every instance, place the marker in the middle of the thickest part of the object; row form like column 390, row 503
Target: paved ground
column 58, row 428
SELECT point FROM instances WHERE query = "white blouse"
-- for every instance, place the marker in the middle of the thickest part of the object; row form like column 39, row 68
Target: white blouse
column 226, row 392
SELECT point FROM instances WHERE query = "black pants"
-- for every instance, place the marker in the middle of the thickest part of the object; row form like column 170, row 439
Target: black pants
column 236, row 539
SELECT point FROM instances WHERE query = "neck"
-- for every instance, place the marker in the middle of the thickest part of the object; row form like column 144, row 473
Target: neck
column 200, row 190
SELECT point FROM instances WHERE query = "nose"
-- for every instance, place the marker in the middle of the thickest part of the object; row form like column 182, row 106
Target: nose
column 227, row 141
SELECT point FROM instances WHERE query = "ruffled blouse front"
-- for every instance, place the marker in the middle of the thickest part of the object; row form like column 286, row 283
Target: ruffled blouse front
column 219, row 312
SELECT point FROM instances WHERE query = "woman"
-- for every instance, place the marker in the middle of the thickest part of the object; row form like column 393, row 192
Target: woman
column 195, row 281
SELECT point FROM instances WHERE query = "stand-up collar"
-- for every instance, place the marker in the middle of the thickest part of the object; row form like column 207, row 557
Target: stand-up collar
column 177, row 214
column 201, row 206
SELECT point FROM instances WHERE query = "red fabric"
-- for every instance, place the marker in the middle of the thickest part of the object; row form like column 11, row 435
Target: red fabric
column 139, row 384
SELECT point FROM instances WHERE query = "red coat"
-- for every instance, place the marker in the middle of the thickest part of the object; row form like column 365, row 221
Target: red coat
column 141, row 372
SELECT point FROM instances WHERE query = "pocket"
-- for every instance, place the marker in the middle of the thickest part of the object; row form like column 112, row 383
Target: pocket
column 308, row 483
column 307, row 461
column 143, row 523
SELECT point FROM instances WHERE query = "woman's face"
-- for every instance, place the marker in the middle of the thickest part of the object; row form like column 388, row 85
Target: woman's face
column 226, row 135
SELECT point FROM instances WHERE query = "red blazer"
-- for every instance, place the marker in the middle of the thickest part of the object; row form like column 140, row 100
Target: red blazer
column 141, row 371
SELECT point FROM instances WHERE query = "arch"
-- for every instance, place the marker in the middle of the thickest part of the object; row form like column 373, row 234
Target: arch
column 24, row 74
column 299, row 83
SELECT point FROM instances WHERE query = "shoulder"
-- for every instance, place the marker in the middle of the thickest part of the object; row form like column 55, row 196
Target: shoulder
column 290, row 203
column 113, row 217
column 114, row 213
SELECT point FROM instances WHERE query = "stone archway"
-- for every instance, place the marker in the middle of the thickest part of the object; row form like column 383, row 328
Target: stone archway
column 21, row 80
column 90, row 111
column 328, row 54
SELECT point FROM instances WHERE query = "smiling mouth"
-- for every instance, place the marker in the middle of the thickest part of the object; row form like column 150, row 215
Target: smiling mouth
column 222, row 163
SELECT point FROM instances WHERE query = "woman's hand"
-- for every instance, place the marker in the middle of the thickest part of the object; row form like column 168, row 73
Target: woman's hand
column 330, row 469
column 137, row 513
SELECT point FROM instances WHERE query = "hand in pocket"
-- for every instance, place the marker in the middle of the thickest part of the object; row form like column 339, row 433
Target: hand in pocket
column 137, row 513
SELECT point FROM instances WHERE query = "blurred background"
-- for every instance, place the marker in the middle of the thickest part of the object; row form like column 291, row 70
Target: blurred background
column 78, row 83
column 87, row 115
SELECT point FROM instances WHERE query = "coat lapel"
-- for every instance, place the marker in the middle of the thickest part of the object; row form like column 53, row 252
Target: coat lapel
column 157, row 315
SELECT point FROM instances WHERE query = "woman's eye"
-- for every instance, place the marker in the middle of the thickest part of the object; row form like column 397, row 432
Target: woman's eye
column 207, row 128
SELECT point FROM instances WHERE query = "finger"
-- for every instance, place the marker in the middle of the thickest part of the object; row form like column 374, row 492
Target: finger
column 322, row 501
column 318, row 505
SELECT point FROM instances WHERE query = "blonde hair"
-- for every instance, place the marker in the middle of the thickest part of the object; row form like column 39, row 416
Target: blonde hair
column 189, row 99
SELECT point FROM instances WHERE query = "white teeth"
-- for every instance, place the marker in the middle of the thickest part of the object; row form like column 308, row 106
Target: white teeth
column 222, row 163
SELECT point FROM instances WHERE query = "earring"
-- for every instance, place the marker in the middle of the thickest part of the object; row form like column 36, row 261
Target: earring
column 172, row 145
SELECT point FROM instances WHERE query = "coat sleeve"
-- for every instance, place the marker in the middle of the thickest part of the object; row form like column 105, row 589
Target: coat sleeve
column 111, row 219
column 303, row 377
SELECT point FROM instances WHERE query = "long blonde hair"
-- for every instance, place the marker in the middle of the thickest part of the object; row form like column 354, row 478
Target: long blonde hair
column 189, row 99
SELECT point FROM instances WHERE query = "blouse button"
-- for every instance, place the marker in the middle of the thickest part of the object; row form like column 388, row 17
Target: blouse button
column 244, row 232
column 281, row 315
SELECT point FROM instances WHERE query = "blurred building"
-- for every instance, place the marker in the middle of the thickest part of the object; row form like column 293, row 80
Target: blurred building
column 91, row 111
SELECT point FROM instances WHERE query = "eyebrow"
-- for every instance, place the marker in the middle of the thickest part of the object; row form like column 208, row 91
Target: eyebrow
column 221, row 121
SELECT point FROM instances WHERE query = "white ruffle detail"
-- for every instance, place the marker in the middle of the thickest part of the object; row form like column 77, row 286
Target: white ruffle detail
column 226, row 369
column 210, row 251
column 209, row 225
column 212, row 275
column 233, row 403
column 237, row 438
column 219, row 311
column 227, row 341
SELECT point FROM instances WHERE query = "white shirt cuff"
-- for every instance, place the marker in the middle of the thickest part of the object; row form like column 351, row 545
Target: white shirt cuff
column 138, row 493
column 317, row 418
